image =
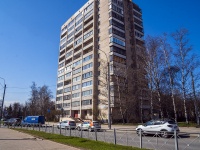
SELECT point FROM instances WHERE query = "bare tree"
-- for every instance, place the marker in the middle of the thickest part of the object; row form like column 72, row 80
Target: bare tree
column 154, row 67
column 167, row 50
column 124, row 93
column 40, row 100
column 33, row 100
column 183, row 59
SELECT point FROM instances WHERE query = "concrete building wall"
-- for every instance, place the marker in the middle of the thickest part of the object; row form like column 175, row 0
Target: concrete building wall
column 109, row 34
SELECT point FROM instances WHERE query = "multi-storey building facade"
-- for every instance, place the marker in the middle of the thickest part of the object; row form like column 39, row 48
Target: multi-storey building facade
column 101, row 32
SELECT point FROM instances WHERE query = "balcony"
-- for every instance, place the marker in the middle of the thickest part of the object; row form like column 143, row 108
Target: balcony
column 88, row 50
column 87, row 44
column 88, row 25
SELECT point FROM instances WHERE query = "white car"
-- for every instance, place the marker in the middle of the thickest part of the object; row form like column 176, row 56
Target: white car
column 89, row 125
column 163, row 128
column 67, row 124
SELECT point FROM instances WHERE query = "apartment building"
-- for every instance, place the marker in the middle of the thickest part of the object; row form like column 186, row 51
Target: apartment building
column 102, row 33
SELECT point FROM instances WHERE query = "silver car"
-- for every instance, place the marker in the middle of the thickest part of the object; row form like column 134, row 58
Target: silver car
column 67, row 124
column 89, row 125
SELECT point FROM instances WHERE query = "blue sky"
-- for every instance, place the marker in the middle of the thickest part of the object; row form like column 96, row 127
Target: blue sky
column 30, row 31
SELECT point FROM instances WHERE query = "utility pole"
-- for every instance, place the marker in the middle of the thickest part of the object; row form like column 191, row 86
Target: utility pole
column 3, row 98
column 109, row 110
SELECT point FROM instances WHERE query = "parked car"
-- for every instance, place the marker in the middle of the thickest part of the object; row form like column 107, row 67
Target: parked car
column 163, row 127
column 67, row 124
column 13, row 122
column 89, row 125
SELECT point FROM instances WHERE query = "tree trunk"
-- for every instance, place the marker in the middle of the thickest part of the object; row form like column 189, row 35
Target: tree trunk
column 195, row 99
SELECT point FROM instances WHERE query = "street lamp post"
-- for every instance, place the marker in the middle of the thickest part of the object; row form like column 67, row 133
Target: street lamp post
column 3, row 98
column 108, row 80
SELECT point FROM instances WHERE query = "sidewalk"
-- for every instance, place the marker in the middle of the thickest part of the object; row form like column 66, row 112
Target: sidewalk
column 14, row 140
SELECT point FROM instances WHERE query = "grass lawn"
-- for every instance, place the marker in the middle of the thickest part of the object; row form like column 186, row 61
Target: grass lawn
column 77, row 142
column 184, row 124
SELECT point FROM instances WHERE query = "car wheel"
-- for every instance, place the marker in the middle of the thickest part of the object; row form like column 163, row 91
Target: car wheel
column 138, row 131
column 164, row 134
column 58, row 127
column 78, row 128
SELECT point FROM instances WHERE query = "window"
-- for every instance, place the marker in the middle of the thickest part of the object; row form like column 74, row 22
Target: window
column 69, row 24
column 87, row 75
column 79, row 21
column 77, row 63
column 87, row 66
column 63, row 41
column 87, row 102
column 87, row 58
column 59, row 98
column 60, row 71
column 70, row 29
column 86, row 93
column 119, row 3
column 59, row 91
column 58, row 105
column 78, row 16
column 61, row 65
column 117, row 9
column 78, row 28
column 117, row 41
column 70, row 40
column 68, row 89
column 78, row 41
column 117, row 16
column 67, row 97
column 69, row 35
column 116, row 24
column 88, row 83
column 75, row 104
column 68, row 74
column 89, row 7
column 76, row 87
column 88, row 34
column 88, row 14
column 66, row 105
column 69, row 68
column 117, row 32
column 59, row 84
column 69, row 54
column 75, row 95
column 118, row 50
column 62, row 46
column 77, row 71
column 76, row 79
column 60, row 78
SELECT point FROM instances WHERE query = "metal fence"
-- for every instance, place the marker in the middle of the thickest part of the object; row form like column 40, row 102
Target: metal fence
column 175, row 141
